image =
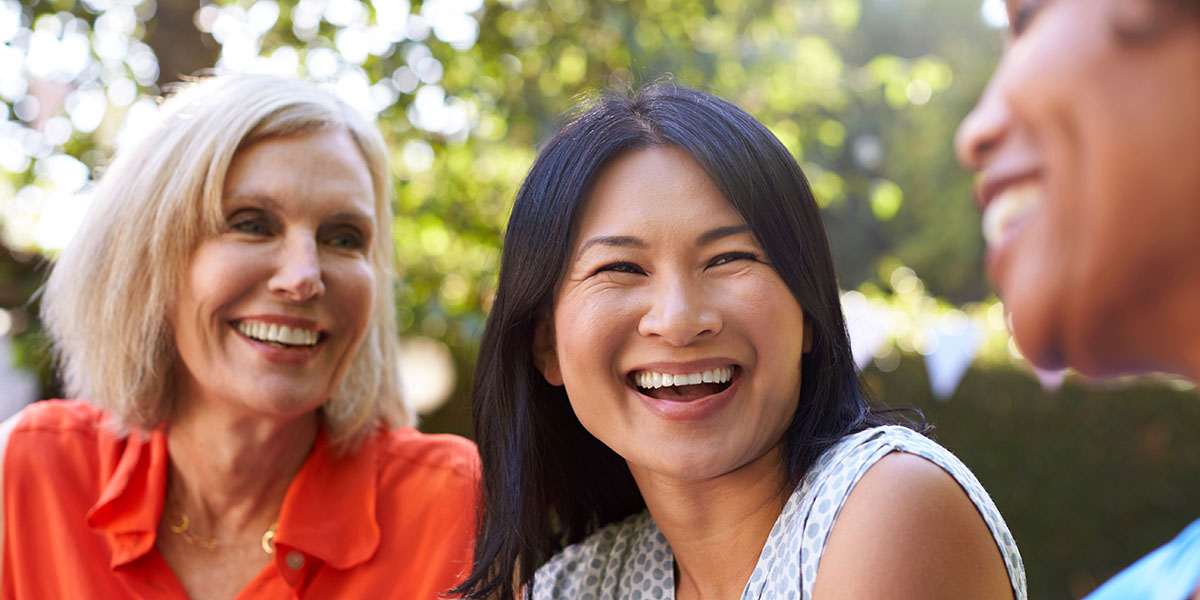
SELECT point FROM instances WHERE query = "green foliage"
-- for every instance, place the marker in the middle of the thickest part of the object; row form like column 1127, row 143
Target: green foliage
column 867, row 96
column 867, row 109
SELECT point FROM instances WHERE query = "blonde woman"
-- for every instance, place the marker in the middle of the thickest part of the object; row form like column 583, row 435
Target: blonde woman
column 225, row 316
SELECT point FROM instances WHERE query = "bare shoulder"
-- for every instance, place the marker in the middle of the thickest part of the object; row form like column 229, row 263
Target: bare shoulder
column 908, row 530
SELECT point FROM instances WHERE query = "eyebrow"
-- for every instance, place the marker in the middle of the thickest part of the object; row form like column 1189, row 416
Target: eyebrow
column 618, row 241
column 252, row 199
column 266, row 201
column 713, row 235
column 629, row 241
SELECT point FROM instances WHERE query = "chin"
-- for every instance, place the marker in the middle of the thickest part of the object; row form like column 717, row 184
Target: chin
column 688, row 467
column 1044, row 354
column 1087, row 351
column 285, row 405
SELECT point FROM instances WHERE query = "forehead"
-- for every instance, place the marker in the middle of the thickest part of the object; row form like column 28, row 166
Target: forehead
column 653, row 188
column 319, row 168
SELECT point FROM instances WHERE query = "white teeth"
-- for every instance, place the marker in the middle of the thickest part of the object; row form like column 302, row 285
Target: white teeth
column 653, row 380
column 280, row 334
column 1007, row 209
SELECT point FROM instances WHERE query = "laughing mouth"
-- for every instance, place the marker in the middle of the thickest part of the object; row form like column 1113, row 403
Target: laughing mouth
column 683, row 387
column 1008, row 210
column 278, row 335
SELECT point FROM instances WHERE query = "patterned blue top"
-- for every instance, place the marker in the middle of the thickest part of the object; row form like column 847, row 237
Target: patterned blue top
column 631, row 560
column 1169, row 573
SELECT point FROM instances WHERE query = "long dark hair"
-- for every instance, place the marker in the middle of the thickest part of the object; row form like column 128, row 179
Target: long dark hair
column 547, row 482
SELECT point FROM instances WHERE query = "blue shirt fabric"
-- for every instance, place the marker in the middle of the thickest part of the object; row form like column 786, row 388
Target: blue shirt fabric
column 1169, row 573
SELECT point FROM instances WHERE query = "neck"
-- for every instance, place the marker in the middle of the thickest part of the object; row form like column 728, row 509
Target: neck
column 717, row 527
column 228, row 472
column 1154, row 329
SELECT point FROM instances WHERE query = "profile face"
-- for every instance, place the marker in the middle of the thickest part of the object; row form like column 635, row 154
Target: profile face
column 1089, row 148
column 666, row 283
column 272, row 309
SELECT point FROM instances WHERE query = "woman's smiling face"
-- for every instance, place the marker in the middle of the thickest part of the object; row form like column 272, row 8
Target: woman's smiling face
column 1088, row 143
column 679, row 346
column 272, row 309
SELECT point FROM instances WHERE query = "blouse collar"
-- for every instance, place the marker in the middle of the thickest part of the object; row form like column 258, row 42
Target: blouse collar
column 329, row 510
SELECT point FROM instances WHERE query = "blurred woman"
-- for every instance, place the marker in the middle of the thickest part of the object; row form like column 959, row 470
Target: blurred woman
column 1088, row 141
column 225, row 314
column 665, row 402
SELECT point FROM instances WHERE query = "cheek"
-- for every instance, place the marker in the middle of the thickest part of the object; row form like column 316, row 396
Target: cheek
column 769, row 312
column 211, row 284
column 588, row 332
column 355, row 298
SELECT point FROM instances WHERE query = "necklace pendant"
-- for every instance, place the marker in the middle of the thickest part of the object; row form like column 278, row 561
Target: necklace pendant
column 268, row 539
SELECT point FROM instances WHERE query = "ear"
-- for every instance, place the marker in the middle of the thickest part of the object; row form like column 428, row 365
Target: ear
column 545, row 358
column 808, row 332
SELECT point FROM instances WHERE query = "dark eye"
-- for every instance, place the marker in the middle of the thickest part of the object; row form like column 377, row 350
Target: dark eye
column 729, row 257
column 1024, row 16
column 621, row 267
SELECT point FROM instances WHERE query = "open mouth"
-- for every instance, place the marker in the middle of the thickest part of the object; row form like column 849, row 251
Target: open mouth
column 1009, row 210
column 683, row 387
column 279, row 336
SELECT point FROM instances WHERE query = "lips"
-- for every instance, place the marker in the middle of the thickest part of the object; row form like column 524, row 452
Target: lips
column 683, row 387
column 279, row 334
column 281, row 337
column 1008, row 210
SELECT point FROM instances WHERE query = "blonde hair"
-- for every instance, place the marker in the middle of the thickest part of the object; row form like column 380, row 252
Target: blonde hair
column 106, row 300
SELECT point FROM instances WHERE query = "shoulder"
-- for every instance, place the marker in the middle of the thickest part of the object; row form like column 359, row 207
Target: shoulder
column 422, row 454
column 53, row 432
column 923, row 523
column 63, row 416
column 49, row 452
column 838, row 469
column 593, row 564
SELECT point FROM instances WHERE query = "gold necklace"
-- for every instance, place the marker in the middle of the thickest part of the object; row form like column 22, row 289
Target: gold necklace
column 211, row 544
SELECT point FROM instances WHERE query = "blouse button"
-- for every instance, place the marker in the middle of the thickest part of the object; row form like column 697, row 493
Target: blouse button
column 294, row 559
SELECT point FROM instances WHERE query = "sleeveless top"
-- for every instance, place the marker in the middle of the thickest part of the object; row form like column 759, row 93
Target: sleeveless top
column 82, row 505
column 631, row 560
column 1169, row 573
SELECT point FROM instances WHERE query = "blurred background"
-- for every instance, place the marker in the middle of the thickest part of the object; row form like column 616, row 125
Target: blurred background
column 865, row 93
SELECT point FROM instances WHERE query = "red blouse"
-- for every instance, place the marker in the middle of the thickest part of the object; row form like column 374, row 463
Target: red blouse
column 81, row 511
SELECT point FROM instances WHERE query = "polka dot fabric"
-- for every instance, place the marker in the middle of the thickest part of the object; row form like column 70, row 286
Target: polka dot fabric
column 631, row 560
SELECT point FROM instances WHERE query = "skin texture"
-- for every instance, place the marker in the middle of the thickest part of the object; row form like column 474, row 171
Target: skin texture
column 1104, row 274
column 653, row 291
column 300, row 220
column 908, row 531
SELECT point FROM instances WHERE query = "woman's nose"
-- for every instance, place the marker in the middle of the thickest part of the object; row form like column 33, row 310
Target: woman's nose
column 984, row 129
column 680, row 313
column 298, row 274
